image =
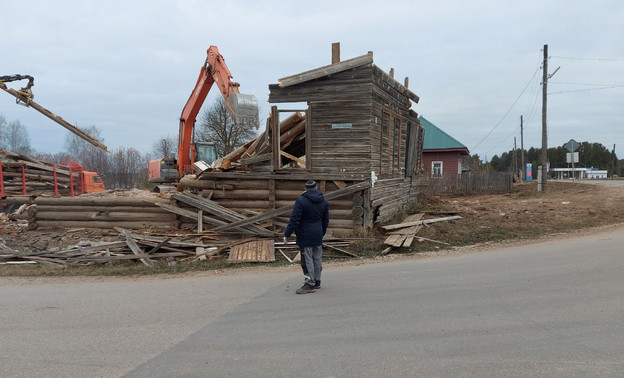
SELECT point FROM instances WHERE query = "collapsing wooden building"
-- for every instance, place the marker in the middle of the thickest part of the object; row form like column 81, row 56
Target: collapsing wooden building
column 355, row 135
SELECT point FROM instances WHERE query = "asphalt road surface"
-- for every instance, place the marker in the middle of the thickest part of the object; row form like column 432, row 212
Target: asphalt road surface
column 549, row 309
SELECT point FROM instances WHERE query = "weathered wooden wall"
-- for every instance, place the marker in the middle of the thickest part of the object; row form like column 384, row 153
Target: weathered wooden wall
column 249, row 196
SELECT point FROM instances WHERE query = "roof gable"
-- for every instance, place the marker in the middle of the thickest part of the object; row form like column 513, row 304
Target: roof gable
column 437, row 139
column 342, row 66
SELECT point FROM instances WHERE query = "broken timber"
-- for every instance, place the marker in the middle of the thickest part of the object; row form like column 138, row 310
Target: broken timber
column 405, row 232
column 415, row 223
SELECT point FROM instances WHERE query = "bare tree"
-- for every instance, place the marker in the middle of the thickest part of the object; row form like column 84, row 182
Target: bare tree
column 165, row 147
column 14, row 137
column 91, row 157
column 3, row 125
column 216, row 125
column 127, row 169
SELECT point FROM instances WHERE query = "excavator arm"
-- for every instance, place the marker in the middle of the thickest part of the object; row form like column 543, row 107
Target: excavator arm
column 243, row 108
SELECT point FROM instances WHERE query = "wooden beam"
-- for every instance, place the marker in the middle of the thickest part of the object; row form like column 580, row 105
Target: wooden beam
column 275, row 139
column 416, row 223
column 292, row 157
column 326, row 70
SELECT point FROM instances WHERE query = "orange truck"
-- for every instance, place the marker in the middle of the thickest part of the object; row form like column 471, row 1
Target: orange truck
column 87, row 182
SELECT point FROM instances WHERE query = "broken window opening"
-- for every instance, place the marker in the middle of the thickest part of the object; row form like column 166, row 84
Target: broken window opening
column 290, row 150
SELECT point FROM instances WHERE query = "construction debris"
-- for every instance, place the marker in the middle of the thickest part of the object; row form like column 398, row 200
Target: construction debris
column 403, row 234
column 256, row 154
column 148, row 249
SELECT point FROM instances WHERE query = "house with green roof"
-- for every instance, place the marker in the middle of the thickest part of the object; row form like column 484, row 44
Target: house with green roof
column 442, row 154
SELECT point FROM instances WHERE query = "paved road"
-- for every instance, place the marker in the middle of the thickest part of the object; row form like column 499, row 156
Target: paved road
column 554, row 308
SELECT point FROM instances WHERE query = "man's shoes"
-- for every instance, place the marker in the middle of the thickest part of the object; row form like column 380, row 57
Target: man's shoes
column 317, row 285
column 305, row 289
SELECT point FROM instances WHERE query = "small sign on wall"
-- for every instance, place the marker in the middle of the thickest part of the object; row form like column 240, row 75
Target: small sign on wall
column 341, row 125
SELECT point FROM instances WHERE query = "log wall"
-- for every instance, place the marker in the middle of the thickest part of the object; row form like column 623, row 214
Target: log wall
column 95, row 212
column 259, row 195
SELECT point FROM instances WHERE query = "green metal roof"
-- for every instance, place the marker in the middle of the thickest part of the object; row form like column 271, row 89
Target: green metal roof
column 436, row 139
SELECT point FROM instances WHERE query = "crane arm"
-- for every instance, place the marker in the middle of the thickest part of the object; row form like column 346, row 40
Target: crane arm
column 241, row 107
column 25, row 97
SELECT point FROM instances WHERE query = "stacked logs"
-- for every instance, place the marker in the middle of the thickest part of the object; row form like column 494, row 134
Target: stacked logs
column 104, row 212
column 21, row 174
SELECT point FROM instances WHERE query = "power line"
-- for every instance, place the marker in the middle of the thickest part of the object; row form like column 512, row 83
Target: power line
column 509, row 110
column 592, row 59
column 587, row 89
column 603, row 84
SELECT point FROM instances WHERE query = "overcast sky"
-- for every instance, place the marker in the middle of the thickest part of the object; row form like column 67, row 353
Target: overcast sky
column 128, row 66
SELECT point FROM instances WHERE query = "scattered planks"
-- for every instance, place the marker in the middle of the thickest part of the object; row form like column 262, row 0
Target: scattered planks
column 149, row 249
column 404, row 233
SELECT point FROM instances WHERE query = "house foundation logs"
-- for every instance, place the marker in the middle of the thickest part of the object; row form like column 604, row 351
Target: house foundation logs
column 93, row 212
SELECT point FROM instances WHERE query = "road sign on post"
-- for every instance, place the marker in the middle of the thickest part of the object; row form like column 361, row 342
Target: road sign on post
column 572, row 157
column 572, row 145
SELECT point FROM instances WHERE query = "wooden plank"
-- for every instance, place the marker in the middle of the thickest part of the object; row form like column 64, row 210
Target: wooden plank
column 253, row 251
column 218, row 210
column 326, row 70
column 292, row 157
column 415, row 223
column 137, row 251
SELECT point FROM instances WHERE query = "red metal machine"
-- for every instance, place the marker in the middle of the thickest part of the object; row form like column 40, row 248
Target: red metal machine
column 243, row 108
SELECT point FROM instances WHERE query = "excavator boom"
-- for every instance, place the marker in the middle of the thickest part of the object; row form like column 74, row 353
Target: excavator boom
column 243, row 108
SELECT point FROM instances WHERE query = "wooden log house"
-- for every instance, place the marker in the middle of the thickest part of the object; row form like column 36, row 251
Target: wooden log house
column 356, row 127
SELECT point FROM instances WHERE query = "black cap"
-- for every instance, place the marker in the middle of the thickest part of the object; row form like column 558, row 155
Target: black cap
column 311, row 184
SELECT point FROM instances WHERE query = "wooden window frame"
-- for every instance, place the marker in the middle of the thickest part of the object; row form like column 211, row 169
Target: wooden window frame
column 433, row 163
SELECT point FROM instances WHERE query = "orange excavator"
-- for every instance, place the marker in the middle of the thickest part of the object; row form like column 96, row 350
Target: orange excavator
column 243, row 108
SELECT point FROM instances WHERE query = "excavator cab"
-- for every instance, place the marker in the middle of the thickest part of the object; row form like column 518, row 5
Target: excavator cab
column 206, row 152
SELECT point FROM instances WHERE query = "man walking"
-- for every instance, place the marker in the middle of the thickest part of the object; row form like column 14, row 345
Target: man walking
column 309, row 220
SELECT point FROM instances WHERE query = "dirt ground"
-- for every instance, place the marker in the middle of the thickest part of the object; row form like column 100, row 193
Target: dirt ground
column 525, row 214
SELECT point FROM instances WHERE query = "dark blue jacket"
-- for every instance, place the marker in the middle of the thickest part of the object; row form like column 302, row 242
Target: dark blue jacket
column 309, row 219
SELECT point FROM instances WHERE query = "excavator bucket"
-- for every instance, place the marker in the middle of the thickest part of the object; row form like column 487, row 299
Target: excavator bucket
column 244, row 108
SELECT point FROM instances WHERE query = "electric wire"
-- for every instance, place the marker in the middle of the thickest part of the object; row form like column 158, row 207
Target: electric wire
column 591, row 59
column 531, row 80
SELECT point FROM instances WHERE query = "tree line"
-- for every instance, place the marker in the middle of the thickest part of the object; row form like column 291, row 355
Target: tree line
column 591, row 155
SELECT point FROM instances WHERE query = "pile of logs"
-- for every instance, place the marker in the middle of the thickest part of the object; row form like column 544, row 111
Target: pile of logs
column 105, row 212
column 21, row 174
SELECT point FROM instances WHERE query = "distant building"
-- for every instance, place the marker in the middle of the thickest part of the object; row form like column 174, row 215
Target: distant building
column 442, row 154
column 579, row 173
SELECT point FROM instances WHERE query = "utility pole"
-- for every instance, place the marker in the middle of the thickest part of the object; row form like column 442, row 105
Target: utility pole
column 614, row 163
column 515, row 160
column 541, row 185
column 522, row 148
